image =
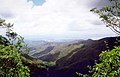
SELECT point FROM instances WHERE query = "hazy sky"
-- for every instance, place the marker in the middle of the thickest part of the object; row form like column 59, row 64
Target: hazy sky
column 55, row 19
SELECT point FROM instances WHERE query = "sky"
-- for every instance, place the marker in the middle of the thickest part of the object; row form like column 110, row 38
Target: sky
column 55, row 19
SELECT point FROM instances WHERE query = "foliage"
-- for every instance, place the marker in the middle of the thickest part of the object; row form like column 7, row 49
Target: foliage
column 10, row 63
column 9, row 32
column 10, row 54
column 110, row 15
column 37, row 63
column 109, row 65
column 13, row 38
column 3, row 40
column 14, row 58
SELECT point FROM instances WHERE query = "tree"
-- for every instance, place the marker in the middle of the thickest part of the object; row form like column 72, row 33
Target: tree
column 13, row 38
column 10, row 54
column 3, row 40
column 110, row 15
column 109, row 65
column 11, row 63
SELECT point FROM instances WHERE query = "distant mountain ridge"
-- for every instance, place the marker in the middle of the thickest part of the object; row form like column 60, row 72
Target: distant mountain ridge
column 69, row 57
column 79, row 57
column 52, row 51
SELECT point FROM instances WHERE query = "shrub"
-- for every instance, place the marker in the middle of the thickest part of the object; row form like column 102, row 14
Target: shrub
column 109, row 65
column 10, row 63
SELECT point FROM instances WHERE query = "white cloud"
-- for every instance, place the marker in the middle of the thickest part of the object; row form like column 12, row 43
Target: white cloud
column 55, row 19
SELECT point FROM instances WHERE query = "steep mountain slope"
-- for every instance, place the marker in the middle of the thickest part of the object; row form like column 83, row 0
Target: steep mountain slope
column 47, row 50
column 84, row 56
column 53, row 51
column 78, row 58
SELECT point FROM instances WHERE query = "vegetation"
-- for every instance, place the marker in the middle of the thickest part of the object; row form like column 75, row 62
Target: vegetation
column 110, row 15
column 11, row 48
column 10, row 63
column 109, row 65
column 48, row 52
column 3, row 40
column 14, row 58
column 14, row 61
column 110, row 61
column 38, row 63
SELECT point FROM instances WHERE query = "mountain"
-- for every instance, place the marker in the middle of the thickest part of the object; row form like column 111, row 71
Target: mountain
column 75, row 56
column 52, row 51
column 84, row 56
column 68, row 57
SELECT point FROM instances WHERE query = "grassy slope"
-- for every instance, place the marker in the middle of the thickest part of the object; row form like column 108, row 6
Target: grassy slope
column 59, row 51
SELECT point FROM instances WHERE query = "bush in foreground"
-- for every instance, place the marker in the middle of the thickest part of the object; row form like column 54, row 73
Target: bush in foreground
column 109, row 65
column 11, row 64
